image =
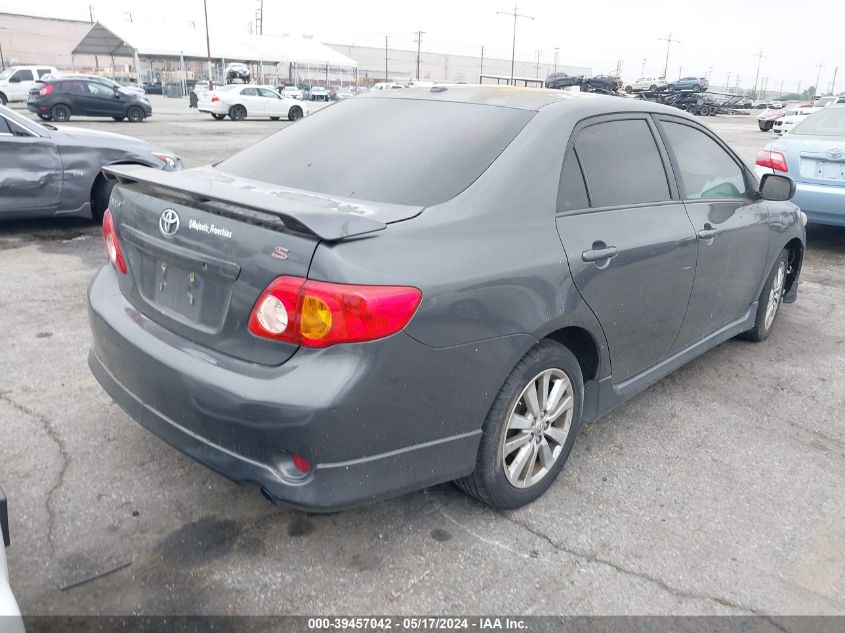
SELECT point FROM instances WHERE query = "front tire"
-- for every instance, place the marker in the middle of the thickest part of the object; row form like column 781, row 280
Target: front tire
column 100, row 194
column 770, row 300
column 135, row 114
column 530, row 429
column 295, row 113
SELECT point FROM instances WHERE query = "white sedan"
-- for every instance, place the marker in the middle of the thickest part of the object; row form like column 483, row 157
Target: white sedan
column 651, row 84
column 241, row 101
column 792, row 117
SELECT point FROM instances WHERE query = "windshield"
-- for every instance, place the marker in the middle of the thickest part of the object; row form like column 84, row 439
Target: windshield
column 827, row 122
column 7, row 73
column 405, row 151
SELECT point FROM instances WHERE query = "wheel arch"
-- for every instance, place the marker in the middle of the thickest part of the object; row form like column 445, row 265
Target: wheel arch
column 100, row 180
column 583, row 346
column 795, row 248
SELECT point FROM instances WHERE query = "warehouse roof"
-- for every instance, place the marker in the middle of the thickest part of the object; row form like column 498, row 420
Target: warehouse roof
column 126, row 39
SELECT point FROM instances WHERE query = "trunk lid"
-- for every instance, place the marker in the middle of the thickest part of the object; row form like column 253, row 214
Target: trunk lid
column 201, row 246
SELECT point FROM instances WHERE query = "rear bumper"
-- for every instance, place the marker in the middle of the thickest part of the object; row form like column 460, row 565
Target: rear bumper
column 374, row 420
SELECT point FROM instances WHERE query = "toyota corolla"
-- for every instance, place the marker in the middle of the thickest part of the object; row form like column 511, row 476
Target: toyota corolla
column 337, row 326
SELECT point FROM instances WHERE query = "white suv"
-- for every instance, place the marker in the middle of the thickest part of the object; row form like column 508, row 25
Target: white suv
column 17, row 81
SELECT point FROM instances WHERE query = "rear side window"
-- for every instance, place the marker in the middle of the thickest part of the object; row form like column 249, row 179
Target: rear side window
column 572, row 194
column 707, row 170
column 621, row 163
column 249, row 92
column 43, row 71
column 405, row 151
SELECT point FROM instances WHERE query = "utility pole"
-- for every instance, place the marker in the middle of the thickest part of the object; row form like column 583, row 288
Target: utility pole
column 833, row 85
column 419, row 43
column 780, row 92
column 557, row 51
column 642, row 72
column 516, row 15
column 91, row 13
column 207, row 43
column 709, row 73
column 482, row 62
column 728, row 82
column 818, row 77
column 799, row 86
column 680, row 71
column 260, row 21
column 538, row 52
column 385, row 57
column 736, row 89
column 668, row 39
column 759, row 55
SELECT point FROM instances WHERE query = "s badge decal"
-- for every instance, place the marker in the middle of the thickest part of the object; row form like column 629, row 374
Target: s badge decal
column 280, row 252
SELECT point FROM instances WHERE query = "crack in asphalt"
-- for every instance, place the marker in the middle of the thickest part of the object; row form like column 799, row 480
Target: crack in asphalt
column 60, row 444
column 593, row 557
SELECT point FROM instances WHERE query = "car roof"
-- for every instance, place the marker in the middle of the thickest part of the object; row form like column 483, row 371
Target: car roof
column 527, row 98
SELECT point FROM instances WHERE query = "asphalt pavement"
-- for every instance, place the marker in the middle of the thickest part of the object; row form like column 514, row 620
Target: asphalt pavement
column 720, row 490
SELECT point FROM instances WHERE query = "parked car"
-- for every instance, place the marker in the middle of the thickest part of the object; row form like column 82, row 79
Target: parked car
column 129, row 87
column 696, row 84
column 791, row 117
column 336, row 329
column 812, row 154
column 386, row 85
column 766, row 119
column 650, row 84
column 241, row 102
column 745, row 104
column 17, row 81
column 606, row 83
column 59, row 99
column 343, row 93
column 237, row 72
column 291, row 92
column 154, row 88
column 47, row 171
column 560, row 80
column 318, row 93
column 10, row 614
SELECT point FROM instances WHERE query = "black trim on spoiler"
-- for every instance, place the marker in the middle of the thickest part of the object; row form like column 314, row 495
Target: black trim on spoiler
column 323, row 216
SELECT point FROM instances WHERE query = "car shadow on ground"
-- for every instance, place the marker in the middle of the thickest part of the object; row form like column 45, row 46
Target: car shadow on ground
column 820, row 237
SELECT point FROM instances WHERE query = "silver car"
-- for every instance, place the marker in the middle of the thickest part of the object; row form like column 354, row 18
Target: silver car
column 47, row 171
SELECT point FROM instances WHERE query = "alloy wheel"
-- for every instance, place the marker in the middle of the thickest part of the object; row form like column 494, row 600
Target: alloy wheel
column 775, row 295
column 538, row 428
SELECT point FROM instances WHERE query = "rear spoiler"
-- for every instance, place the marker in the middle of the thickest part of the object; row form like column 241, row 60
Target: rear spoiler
column 323, row 216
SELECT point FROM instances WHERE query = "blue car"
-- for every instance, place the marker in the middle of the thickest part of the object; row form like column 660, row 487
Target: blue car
column 697, row 84
column 813, row 155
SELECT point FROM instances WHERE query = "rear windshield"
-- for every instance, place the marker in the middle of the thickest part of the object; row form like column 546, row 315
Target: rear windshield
column 827, row 122
column 403, row 151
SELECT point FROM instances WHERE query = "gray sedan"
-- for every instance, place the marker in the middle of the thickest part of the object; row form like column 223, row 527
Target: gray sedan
column 47, row 171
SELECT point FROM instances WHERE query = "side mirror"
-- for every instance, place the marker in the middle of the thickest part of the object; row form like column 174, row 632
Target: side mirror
column 776, row 188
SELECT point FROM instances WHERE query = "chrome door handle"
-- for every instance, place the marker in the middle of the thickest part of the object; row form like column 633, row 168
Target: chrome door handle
column 707, row 234
column 598, row 254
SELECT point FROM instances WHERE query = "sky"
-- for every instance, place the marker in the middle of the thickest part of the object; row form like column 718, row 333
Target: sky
column 723, row 35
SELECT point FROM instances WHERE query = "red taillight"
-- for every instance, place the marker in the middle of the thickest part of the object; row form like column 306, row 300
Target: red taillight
column 46, row 90
column 772, row 160
column 214, row 98
column 112, row 246
column 301, row 464
column 319, row 313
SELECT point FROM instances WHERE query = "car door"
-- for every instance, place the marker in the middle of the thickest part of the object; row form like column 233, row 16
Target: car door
column 731, row 225
column 103, row 100
column 30, row 169
column 630, row 245
column 273, row 104
column 253, row 103
column 20, row 84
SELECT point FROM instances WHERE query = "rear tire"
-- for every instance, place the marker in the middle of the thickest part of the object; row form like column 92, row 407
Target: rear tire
column 505, row 479
column 118, row 118
column 770, row 300
column 60, row 112
column 3, row 100
column 237, row 113
column 218, row 117
column 671, row 88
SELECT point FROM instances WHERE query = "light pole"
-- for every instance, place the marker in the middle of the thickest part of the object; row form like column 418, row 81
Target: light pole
column 728, row 82
column 419, row 43
column 557, row 50
column 385, row 57
column 538, row 52
column 668, row 39
column 818, row 78
column 759, row 55
column 207, row 43
column 642, row 72
column 516, row 15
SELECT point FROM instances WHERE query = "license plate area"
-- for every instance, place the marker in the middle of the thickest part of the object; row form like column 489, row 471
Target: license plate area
column 191, row 288
column 821, row 169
